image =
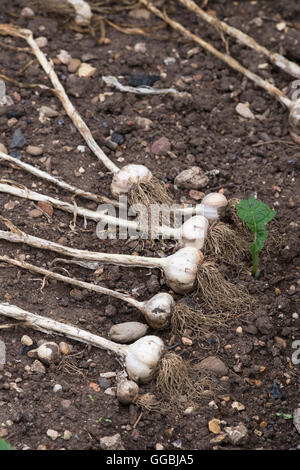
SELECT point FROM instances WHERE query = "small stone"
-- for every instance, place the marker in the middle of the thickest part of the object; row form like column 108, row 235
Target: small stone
column 280, row 341
column 177, row 444
column 192, row 52
column 219, row 438
column 10, row 205
column 239, row 331
column 18, row 140
column 48, row 352
column 74, row 65
column 169, row 61
column 26, row 340
column 11, row 122
column 189, row 410
column 212, row 404
column 46, row 207
column 237, row 434
column 244, row 111
column 192, row 178
column 117, row 138
column 67, row 435
column 86, row 70
column 35, row 213
column 281, row 26
column 3, row 432
column 104, row 383
column 237, row 406
column 64, row 57
column 214, row 365
column 197, row 195
column 52, row 434
column 214, row 426
column 111, row 443
column 38, row 367
column 34, row 150
column 111, row 391
column 144, row 123
column 186, row 341
column 127, row 332
column 159, row 446
column 65, row 404
column 263, row 324
column 41, row 447
column 48, row 112
column 140, row 47
column 41, row 41
column 161, row 146
column 140, row 14
column 57, row 388
column 108, row 375
column 3, row 148
column 296, row 419
column 64, row 348
column 27, row 12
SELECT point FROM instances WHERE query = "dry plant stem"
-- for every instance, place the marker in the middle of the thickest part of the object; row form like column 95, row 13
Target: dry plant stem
column 277, row 59
column 278, row 94
column 58, row 182
column 292, row 105
column 82, row 211
column 6, row 29
column 65, row 206
column 75, row 282
column 105, row 258
column 47, row 325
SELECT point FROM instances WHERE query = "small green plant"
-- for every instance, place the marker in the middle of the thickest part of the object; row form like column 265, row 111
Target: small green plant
column 256, row 214
column 5, row 445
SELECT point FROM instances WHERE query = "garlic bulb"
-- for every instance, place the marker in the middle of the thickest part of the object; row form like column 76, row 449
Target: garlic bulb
column 181, row 269
column 142, row 358
column 48, row 352
column 127, row 391
column 83, row 12
column 213, row 205
column 127, row 176
column 157, row 311
column 193, row 232
column 294, row 121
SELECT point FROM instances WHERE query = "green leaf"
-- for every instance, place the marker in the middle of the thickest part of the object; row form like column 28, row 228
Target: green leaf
column 256, row 214
column 5, row 445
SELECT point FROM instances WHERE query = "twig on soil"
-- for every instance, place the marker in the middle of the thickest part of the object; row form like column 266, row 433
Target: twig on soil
column 143, row 90
column 277, row 59
column 292, row 105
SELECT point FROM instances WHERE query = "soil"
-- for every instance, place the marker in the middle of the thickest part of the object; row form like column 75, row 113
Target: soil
column 253, row 157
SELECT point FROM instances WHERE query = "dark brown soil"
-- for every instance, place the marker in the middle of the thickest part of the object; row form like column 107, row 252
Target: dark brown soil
column 251, row 156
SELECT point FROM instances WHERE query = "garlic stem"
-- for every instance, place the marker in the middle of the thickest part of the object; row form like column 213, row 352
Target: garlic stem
column 193, row 229
column 156, row 310
column 180, row 268
column 141, row 357
column 58, row 182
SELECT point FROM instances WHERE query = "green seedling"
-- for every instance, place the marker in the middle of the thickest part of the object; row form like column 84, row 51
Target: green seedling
column 91, row 397
column 256, row 214
column 5, row 445
column 285, row 415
